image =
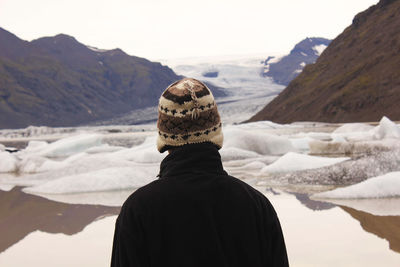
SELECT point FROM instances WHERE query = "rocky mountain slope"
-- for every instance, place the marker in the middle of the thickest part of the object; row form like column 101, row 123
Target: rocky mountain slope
column 285, row 69
column 57, row 81
column 357, row 78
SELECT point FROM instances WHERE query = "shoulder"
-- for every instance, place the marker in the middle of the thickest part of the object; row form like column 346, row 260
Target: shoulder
column 249, row 192
column 142, row 194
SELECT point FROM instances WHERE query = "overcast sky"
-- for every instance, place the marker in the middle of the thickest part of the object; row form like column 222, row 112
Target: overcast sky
column 158, row 29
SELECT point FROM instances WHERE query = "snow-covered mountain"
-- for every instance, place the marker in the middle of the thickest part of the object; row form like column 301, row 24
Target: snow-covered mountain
column 284, row 69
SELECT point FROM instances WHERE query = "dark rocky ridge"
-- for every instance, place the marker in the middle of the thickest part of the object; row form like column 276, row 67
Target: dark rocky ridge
column 57, row 81
column 357, row 77
column 290, row 66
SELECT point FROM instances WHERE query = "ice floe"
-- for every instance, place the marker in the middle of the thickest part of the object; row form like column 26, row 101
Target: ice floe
column 386, row 129
column 261, row 143
column 291, row 162
column 71, row 145
column 100, row 180
column 95, row 162
column 8, row 162
column 387, row 185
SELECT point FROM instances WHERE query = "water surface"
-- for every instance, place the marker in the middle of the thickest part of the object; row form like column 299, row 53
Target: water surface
column 39, row 232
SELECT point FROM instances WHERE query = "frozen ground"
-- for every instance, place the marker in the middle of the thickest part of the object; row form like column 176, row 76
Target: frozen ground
column 263, row 154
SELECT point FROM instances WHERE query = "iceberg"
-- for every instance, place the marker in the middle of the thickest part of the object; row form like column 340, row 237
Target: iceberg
column 261, row 143
column 384, row 186
column 302, row 143
column 8, row 162
column 295, row 162
column 101, row 180
column 234, row 153
column 386, row 129
column 70, row 145
column 350, row 128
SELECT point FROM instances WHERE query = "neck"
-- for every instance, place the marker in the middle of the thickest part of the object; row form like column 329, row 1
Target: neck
column 192, row 158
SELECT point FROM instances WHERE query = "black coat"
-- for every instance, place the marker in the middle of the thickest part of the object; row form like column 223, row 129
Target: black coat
column 195, row 214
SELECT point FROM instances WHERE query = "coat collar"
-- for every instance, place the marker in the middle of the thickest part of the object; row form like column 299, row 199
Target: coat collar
column 202, row 158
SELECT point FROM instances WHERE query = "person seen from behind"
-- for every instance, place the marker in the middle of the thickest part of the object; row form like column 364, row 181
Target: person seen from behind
column 195, row 214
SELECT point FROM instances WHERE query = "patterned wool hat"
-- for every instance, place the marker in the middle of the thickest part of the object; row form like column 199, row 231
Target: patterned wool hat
column 187, row 114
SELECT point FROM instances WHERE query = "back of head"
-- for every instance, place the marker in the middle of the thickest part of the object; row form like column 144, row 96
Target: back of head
column 188, row 114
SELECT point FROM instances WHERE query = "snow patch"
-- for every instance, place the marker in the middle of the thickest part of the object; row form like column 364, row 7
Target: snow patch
column 318, row 49
column 95, row 49
column 298, row 71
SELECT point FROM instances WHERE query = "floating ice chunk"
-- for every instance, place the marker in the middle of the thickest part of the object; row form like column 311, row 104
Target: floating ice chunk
column 253, row 165
column 352, row 132
column 295, row 162
column 35, row 146
column 338, row 138
column 387, row 185
column 264, row 125
column 261, row 143
column 30, row 163
column 101, row 180
column 71, row 145
column 353, row 127
column 52, row 165
column 386, row 129
column 347, row 172
column 2, row 147
column 233, row 153
column 105, row 148
column 8, row 162
column 49, row 165
column 302, row 143
column 145, row 153
column 6, row 187
column 313, row 135
column 339, row 147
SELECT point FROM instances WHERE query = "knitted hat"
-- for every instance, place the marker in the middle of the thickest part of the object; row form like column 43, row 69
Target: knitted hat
column 187, row 114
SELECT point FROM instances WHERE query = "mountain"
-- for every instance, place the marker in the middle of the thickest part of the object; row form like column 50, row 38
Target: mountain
column 57, row 81
column 357, row 77
column 283, row 70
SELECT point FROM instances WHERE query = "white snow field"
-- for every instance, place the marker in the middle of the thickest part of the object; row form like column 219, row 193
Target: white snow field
column 262, row 153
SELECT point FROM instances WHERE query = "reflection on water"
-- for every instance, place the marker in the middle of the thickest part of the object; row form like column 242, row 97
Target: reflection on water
column 317, row 233
column 21, row 214
column 312, row 204
column 387, row 227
